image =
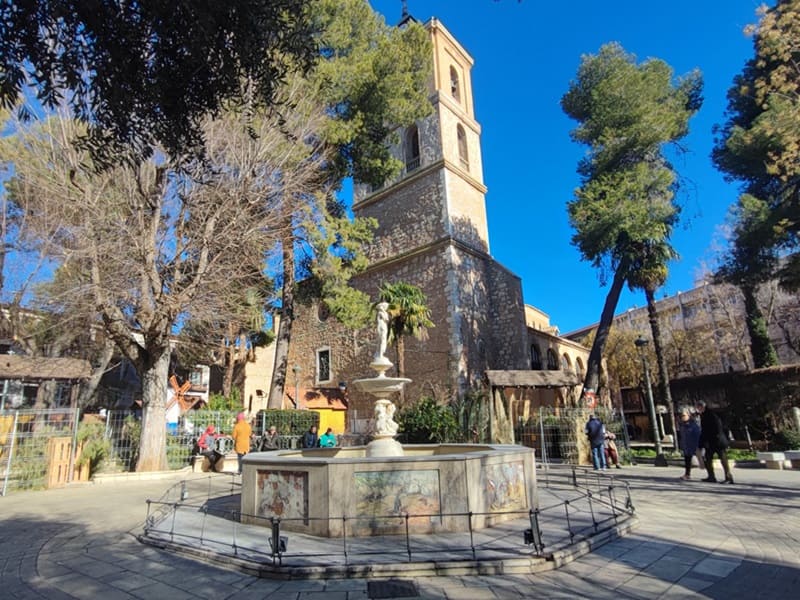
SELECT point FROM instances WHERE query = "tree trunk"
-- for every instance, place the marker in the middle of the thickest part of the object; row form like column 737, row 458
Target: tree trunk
column 661, row 359
column 284, row 335
column 89, row 387
column 760, row 345
column 153, row 444
column 592, row 379
column 230, row 359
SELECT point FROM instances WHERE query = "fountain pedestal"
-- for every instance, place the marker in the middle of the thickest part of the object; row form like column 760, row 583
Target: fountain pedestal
column 385, row 428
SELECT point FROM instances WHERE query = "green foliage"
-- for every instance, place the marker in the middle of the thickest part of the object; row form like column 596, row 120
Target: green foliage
column 222, row 420
column 286, row 421
column 337, row 243
column 131, row 438
column 408, row 310
column 96, row 447
column 787, row 439
column 626, row 113
column 374, row 77
column 179, row 449
column 30, row 464
column 218, row 402
column 472, row 415
column 759, row 145
column 146, row 74
column 427, row 421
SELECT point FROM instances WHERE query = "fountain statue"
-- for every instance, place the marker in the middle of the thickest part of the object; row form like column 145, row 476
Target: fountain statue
column 381, row 386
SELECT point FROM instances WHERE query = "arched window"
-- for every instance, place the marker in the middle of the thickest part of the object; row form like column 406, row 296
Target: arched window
column 412, row 148
column 463, row 154
column 566, row 365
column 455, row 87
column 536, row 358
column 579, row 370
column 552, row 360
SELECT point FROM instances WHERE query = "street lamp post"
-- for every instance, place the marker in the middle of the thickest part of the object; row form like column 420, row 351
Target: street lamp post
column 641, row 346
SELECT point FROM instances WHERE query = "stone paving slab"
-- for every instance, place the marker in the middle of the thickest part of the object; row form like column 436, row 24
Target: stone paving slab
column 735, row 542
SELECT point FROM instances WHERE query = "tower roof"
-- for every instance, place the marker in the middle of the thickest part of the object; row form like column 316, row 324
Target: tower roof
column 405, row 17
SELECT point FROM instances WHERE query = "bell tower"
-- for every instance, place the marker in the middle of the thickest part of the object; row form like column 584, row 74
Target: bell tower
column 433, row 233
column 443, row 149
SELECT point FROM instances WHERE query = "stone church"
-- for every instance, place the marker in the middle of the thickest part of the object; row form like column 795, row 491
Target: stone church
column 433, row 233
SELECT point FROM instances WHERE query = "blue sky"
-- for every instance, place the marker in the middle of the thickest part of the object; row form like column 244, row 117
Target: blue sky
column 526, row 53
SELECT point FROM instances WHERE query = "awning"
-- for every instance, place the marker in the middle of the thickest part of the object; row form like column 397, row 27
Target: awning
column 38, row 368
column 533, row 379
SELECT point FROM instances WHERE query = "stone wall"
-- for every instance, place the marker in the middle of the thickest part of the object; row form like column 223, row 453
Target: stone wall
column 410, row 215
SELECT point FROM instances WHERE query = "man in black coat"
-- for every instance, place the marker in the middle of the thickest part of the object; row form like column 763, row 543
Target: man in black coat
column 596, row 433
column 714, row 440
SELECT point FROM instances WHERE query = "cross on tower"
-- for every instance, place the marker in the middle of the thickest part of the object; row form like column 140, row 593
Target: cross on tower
column 405, row 8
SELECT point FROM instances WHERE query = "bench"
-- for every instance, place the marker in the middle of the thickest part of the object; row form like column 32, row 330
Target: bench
column 226, row 464
column 772, row 460
column 794, row 457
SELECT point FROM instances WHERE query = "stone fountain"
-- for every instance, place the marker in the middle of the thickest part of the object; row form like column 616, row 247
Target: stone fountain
column 384, row 487
column 381, row 387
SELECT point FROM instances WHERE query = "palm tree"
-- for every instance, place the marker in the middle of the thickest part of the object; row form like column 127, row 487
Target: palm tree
column 649, row 272
column 408, row 315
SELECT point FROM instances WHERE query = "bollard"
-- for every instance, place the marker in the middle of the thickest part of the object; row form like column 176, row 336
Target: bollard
column 591, row 509
column 569, row 525
column 277, row 542
column 534, row 534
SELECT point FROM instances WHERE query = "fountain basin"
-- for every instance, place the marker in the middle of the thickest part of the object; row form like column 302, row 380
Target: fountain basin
column 435, row 484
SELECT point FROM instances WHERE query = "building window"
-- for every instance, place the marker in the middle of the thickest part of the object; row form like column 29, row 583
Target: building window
column 323, row 365
column 199, row 375
column 579, row 368
column 566, row 365
column 455, row 87
column 463, row 154
column 536, row 358
column 323, row 312
column 552, row 360
column 412, row 149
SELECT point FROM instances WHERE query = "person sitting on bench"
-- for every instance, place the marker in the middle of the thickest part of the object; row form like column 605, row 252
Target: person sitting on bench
column 207, row 444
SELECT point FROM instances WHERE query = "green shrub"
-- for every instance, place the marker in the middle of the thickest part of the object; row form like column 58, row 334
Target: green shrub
column 788, row 439
column 218, row 402
column 96, row 447
column 287, row 421
column 427, row 422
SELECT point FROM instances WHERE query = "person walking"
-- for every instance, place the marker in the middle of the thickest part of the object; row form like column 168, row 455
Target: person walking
column 714, row 441
column 241, row 438
column 595, row 431
column 310, row 437
column 689, row 434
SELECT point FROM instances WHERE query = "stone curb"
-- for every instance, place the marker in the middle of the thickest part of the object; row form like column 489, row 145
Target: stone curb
column 133, row 476
column 517, row 566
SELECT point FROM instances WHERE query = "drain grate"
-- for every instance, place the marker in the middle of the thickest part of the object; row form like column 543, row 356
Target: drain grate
column 392, row 588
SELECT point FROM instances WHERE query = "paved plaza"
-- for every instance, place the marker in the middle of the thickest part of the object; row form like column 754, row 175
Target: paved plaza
column 693, row 540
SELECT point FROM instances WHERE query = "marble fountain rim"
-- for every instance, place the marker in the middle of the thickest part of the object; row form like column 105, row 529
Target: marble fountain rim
column 329, row 455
